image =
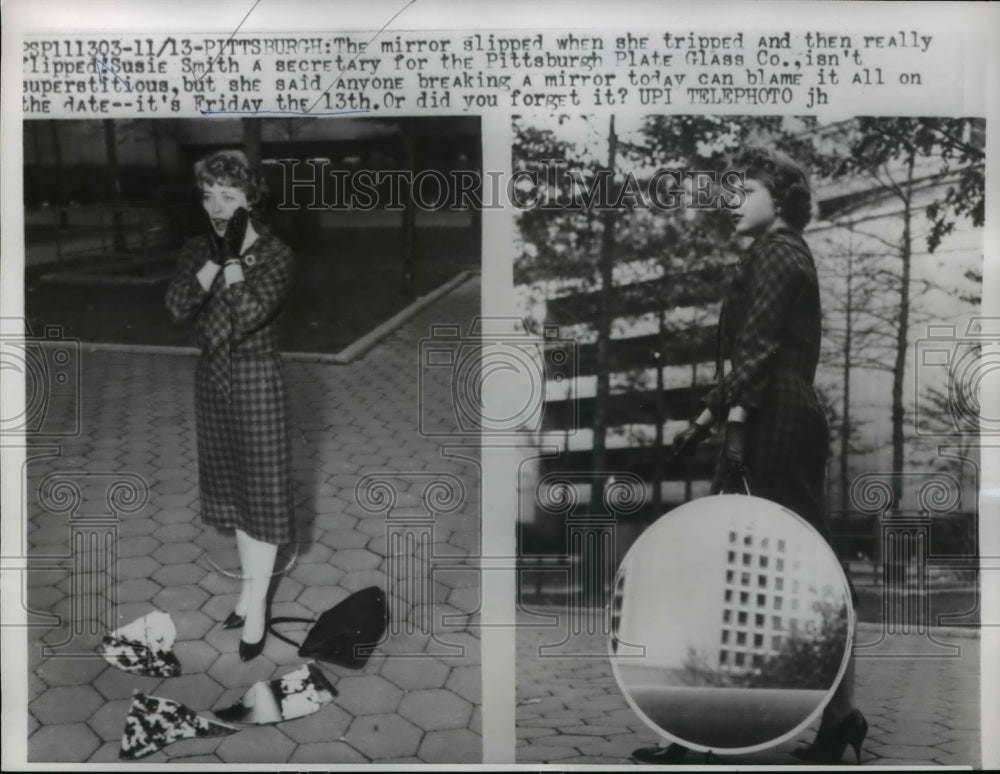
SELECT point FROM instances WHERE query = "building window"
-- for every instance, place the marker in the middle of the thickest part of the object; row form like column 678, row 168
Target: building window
column 731, row 557
column 748, row 540
column 741, row 659
column 781, row 546
column 741, row 638
column 758, row 661
column 744, row 598
column 729, row 576
column 729, row 595
column 763, row 562
column 741, row 618
column 759, row 620
column 795, row 603
column 776, row 642
column 779, row 565
column 758, row 640
column 776, row 622
column 723, row 656
column 762, row 581
column 765, row 542
column 732, row 537
column 777, row 603
column 725, row 636
column 727, row 616
column 779, row 584
column 745, row 579
column 761, row 600
column 746, row 560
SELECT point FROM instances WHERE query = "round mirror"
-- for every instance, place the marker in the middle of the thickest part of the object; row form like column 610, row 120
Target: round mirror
column 731, row 624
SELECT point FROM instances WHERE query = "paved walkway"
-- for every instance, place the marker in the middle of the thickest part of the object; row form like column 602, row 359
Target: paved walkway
column 921, row 699
column 417, row 700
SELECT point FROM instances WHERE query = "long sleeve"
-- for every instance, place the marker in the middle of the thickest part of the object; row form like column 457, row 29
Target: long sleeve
column 185, row 295
column 774, row 283
column 254, row 301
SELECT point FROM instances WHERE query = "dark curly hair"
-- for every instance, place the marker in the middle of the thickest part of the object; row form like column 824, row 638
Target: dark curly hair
column 785, row 179
column 231, row 167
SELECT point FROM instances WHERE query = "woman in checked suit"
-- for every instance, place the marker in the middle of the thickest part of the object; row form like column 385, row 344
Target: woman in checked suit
column 775, row 432
column 231, row 282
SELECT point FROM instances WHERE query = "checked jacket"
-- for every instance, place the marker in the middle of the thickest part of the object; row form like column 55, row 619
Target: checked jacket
column 770, row 330
column 241, row 398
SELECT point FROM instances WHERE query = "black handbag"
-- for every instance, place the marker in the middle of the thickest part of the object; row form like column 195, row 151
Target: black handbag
column 345, row 634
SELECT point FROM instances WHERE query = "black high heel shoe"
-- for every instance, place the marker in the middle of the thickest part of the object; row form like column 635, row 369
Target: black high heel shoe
column 660, row 756
column 234, row 621
column 829, row 746
column 250, row 650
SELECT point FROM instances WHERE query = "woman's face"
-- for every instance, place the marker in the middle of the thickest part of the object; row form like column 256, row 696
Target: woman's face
column 220, row 202
column 757, row 213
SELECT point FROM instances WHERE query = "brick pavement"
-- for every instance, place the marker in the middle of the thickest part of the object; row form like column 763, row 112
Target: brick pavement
column 417, row 699
column 921, row 699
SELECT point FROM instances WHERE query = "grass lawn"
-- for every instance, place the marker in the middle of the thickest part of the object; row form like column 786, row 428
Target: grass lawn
column 347, row 281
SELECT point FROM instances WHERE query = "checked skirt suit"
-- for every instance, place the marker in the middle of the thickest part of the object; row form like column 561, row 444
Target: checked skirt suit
column 770, row 329
column 241, row 400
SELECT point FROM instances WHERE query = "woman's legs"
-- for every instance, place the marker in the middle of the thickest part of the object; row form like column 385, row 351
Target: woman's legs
column 257, row 560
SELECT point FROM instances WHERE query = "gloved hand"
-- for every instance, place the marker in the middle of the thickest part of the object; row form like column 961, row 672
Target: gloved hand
column 734, row 443
column 686, row 441
column 236, row 229
column 730, row 475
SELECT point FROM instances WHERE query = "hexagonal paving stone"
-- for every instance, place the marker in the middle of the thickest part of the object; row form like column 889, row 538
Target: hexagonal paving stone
column 466, row 600
column 264, row 744
column 174, row 516
column 137, row 590
column 313, row 551
column 180, row 597
column 452, row 746
column 177, row 574
column 416, row 673
column 196, row 691
column 138, row 546
column 196, row 656
column 177, row 533
column 62, row 743
column 384, row 736
column 355, row 581
column 219, row 606
column 352, row 559
column 175, row 500
column 70, row 704
column 136, row 567
column 435, row 710
column 109, row 721
column 368, row 695
column 230, row 672
column 178, row 553
column 326, row 753
column 329, row 522
column 328, row 724
column 62, row 670
column 467, row 682
column 136, row 526
column 116, row 684
column 191, row 624
column 321, row 598
column 317, row 574
column 339, row 539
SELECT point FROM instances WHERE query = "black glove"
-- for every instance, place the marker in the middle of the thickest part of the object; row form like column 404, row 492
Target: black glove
column 236, row 230
column 734, row 444
column 731, row 473
column 688, row 439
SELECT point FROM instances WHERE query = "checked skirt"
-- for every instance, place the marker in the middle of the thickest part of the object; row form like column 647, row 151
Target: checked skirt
column 244, row 448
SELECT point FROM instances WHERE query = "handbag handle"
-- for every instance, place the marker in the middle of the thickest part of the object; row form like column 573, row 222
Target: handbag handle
column 287, row 619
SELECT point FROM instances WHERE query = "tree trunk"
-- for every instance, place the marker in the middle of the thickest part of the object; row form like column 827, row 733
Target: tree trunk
column 609, row 219
column 902, row 329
